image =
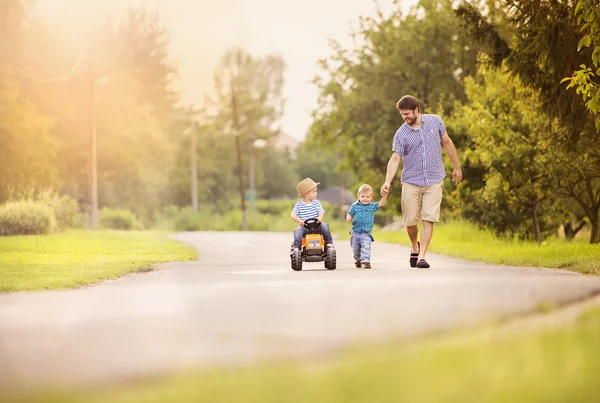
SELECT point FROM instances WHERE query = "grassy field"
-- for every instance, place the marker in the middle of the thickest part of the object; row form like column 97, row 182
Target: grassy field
column 464, row 240
column 78, row 258
column 551, row 364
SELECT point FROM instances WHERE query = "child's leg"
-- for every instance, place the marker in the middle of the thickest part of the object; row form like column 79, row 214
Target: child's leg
column 298, row 235
column 326, row 232
column 355, row 242
column 365, row 248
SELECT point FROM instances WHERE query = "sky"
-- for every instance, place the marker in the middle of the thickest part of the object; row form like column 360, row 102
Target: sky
column 202, row 30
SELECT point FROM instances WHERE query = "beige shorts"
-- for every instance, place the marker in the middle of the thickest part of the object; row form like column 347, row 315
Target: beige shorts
column 421, row 203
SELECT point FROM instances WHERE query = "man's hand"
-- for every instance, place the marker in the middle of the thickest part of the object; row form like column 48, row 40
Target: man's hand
column 385, row 189
column 457, row 176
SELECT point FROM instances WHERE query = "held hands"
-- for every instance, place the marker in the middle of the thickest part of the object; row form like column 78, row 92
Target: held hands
column 385, row 189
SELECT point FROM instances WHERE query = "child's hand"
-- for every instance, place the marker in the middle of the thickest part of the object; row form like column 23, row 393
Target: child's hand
column 301, row 223
column 349, row 218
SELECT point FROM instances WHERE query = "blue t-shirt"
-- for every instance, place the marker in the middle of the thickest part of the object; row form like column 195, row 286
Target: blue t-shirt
column 363, row 216
column 306, row 211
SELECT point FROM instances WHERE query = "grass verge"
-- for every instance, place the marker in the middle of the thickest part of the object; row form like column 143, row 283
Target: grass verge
column 549, row 364
column 77, row 258
column 467, row 241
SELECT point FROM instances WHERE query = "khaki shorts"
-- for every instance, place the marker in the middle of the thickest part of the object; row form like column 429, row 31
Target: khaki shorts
column 421, row 203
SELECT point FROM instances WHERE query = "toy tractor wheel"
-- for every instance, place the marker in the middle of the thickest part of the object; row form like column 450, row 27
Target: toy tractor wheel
column 296, row 260
column 330, row 260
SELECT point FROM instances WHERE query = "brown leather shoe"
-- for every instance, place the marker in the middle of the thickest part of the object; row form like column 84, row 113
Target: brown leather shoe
column 358, row 264
column 366, row 265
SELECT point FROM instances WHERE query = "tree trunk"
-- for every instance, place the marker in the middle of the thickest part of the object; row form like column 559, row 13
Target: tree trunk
column 572, row 230
column 536, row 225
column 595, row 235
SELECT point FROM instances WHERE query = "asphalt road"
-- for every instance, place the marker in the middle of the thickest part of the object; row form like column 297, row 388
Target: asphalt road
column 241, row 302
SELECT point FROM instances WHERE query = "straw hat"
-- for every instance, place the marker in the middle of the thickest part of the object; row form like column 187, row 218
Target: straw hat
column 306, row 186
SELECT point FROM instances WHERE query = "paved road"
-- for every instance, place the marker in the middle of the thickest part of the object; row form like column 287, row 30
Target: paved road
column 241, row 301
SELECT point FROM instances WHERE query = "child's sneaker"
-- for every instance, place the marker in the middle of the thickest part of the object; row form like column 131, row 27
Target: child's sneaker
column 366, row 265
column 358, row 263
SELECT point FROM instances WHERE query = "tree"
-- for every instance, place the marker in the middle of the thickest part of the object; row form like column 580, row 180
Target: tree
column 509, row 141
column 541, row 52
column 585, row 80
column 546, row 47
column 419, row 54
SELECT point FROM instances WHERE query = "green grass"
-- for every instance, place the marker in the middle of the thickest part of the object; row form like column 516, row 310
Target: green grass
column 78, row 258
column 464, row 240
column 551, row 364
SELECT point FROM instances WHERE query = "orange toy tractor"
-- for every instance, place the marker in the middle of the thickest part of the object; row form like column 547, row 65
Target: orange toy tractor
column 313, row 248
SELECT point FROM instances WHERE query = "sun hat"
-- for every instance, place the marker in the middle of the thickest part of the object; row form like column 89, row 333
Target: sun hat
column 305, row 186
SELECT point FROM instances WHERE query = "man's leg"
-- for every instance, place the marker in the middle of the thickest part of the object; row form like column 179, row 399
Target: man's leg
column 426, row 233
column 432, row 200
column 411, row 213
column 413, row 235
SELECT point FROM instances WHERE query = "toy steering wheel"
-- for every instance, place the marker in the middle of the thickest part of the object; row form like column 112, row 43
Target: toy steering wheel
column 312, row 223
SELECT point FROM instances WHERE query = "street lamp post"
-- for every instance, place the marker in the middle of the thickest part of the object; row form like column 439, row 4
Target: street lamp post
column 239, row 156
column 254, row 144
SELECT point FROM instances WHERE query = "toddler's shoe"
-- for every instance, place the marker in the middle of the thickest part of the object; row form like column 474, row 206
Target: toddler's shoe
column 366, row 265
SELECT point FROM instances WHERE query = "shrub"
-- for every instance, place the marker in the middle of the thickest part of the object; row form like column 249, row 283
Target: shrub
column 66, row 210
column 26, row 218
column 119, row 219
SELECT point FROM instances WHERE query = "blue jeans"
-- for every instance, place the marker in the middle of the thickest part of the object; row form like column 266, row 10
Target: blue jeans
column 301, row 231
column 361, row 246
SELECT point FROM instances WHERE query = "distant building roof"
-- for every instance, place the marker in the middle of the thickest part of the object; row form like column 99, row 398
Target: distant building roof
column 332, row 195
column 285, row 141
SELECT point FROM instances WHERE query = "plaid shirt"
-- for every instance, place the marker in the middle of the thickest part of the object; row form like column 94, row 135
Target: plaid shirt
column 421, row 151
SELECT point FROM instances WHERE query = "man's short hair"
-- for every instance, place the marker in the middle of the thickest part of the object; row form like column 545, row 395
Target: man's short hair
column 407, row 102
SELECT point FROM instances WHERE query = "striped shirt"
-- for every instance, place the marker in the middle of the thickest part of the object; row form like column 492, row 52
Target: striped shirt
column 363, row 216
column 306, row 211
column 421, row 151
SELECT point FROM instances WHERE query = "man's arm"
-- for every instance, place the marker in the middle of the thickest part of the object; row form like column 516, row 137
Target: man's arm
column 392, row 168
column 451, row 150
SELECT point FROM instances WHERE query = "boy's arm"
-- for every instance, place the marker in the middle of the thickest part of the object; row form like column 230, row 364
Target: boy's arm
column 298, row 220
column 349, row 217
column 383, row 201
column 321, row 215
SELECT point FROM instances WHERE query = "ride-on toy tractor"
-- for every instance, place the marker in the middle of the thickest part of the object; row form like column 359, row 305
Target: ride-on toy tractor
column 313, row 248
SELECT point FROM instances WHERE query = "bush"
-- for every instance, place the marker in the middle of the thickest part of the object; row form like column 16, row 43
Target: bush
column 66, row 210
column 275, row 207
column 26, row 218
column 119, row 219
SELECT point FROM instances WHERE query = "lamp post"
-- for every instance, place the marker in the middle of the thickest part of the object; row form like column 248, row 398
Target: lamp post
column 258, row 143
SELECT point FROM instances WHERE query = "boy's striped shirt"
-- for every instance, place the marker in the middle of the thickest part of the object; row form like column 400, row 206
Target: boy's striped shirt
column 306, row 211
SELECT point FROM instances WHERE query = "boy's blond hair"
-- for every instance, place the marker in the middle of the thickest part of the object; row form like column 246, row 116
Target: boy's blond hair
column 365, row 188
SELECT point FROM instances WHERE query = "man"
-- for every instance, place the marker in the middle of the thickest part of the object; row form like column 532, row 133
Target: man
column 418, row 143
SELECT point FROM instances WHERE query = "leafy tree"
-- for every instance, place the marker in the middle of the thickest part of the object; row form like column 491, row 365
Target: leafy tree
column 419, row 53
column 585, row 80
column 541, row 51
column 545, row 47
column 509, row 140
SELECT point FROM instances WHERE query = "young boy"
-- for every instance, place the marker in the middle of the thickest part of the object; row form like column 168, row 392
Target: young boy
column 309, row 207
column 362, row 217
